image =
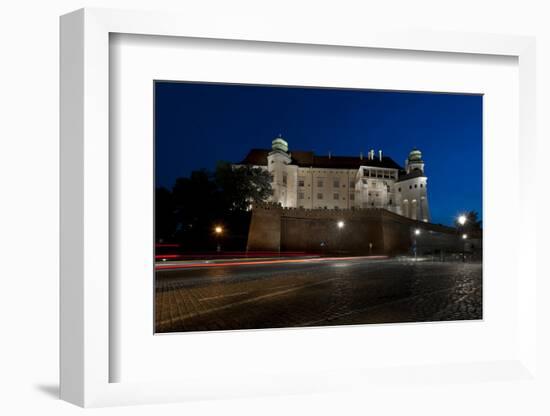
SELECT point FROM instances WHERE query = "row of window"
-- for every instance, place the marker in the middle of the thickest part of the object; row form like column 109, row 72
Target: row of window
column 379, row 174
column 321, row 183
column 372, row 204
column 335, row 196
column 415, row 185
column 336, row 184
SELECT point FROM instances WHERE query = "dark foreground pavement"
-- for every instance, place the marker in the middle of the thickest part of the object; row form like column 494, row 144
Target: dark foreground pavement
column 318, row 292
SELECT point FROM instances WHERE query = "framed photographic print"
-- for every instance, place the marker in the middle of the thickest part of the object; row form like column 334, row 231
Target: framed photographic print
column 289, row 213
column 291, row 238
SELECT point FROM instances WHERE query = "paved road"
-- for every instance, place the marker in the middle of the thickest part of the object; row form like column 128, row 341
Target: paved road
column 334, row 292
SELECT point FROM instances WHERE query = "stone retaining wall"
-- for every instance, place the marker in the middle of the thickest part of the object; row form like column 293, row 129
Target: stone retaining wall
column 366, row 231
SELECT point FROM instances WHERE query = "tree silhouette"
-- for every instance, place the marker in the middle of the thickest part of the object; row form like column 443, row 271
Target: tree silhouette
column 165, row 218
column 196, row 204
column 243, row 185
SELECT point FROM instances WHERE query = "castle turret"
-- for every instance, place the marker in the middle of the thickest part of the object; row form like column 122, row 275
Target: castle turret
column 412, row 188
column 277, row 162
column 414, row 162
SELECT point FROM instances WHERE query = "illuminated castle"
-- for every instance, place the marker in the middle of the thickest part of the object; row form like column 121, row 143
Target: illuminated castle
column 301, row 179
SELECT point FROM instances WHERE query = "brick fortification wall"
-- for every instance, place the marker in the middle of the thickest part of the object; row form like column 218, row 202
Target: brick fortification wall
column 365, row 231
column 265, row 228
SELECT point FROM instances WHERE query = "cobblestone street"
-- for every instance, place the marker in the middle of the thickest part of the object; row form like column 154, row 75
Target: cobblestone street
column 315, row 293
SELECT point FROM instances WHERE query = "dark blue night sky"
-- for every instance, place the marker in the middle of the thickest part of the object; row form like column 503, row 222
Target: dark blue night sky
column 197, row 125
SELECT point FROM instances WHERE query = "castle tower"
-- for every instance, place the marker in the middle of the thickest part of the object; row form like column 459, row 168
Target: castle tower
column 414, row 162
column 413, row 188
column 277, row 162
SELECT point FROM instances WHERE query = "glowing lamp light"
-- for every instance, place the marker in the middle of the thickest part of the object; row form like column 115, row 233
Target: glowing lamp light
column 218, row 230
column 340, row 224
column 462, row 219
column 464, row 236
column 417, row 231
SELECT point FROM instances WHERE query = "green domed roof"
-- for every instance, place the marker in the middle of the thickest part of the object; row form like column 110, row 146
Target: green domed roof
column 279, row 144
column 415, row 155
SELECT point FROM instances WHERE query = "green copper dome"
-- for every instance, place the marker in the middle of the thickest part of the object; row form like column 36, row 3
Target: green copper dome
column 415, row 155
column 279, row 144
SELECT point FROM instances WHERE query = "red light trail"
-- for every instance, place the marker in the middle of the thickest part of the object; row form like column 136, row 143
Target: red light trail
column 261, row 262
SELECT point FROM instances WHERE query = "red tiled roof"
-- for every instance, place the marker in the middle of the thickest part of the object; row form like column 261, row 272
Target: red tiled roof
column 258, row 157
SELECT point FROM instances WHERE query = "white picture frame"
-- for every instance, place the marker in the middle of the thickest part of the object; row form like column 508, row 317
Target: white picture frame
column 86, row 356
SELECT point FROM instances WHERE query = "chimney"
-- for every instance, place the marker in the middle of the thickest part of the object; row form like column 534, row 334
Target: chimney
column 361, row 155
column 380, row 155
column 329, row 155
column 371, row 154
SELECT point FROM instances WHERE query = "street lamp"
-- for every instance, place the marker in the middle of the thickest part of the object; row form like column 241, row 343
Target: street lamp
column 218, row 230
column 462, row 219
column 464, row 237
column 416, row 233
column 340, row 224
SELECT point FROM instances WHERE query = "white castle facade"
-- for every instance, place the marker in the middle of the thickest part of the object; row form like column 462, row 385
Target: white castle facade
column 304, row 180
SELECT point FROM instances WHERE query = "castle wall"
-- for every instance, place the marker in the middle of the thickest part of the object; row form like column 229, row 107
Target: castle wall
column 264, row 233
column 365, row 231
column 319, row 188
column 322, row 234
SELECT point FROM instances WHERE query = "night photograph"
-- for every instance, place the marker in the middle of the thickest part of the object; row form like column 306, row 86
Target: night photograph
column 282, row 206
